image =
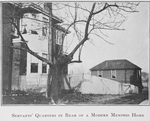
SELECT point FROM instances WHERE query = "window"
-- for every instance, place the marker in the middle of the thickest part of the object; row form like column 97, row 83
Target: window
column 25, row 15
column 99, row 73
column 34, row 64
column 33, row 32
column 44, row 28
column 34, row 67
column 24, row 31
column 113, row 74
column 44, row 31
column 44, row 68
column 58, row 37
column 33, row 15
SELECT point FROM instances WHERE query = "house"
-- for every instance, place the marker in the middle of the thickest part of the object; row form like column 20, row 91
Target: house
column 122, row 71
column 26, row 70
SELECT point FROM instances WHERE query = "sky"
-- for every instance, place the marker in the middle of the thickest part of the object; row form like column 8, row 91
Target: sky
column 131, row 44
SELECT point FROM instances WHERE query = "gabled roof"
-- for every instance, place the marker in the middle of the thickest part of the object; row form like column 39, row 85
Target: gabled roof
column 115, row 65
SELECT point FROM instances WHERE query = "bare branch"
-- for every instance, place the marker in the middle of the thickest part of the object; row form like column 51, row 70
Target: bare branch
column 86, row 32
column 104, row 8
column 79, row 7
column 28, row 49
column 76, row 61
column 80, row 50
column 72, row 24
column 90, row 40
column 102, row 38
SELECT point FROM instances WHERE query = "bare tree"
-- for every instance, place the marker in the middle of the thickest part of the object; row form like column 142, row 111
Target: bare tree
column 85, row 20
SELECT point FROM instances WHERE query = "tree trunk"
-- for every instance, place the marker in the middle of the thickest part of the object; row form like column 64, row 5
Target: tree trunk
column 55, row 82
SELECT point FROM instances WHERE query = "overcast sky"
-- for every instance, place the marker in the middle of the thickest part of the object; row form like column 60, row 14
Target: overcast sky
column 131, row 44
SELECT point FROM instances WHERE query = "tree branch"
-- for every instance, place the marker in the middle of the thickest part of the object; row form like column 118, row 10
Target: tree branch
column 70, row 25
column 76, row 61
column 86, row 32
column 79, row 7
column 105, row 7
column 29, row 50
column 33, row 53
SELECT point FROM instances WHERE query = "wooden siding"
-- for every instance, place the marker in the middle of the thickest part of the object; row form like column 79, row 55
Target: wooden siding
column 107, row 74
column 121, row 75
column 94, row 73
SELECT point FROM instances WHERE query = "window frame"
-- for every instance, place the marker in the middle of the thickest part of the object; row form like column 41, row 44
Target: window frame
column 44, row 71
column 33, row 69
column 45, row 27
column 113, row 73
column 44, row 31
column 59, row 37
column 34, row 60
column 100, row 72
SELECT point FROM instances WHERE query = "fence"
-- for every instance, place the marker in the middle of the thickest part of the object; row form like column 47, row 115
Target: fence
column 40, row 81
column 28, row 82
column 75, row 79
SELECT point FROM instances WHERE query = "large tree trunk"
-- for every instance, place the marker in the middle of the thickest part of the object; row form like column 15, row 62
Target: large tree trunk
column 55, row 85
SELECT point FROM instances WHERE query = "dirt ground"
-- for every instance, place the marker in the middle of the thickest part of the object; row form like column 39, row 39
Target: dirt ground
column 128, row 99
column 77, row 99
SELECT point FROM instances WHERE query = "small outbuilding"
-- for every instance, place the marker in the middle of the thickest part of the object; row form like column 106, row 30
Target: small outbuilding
column 122, row 71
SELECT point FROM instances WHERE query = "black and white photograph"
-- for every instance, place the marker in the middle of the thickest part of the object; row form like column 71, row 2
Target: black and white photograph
column 75, row 53
column 82, row 56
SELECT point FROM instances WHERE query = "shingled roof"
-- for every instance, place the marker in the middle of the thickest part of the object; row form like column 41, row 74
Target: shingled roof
column 115, row 65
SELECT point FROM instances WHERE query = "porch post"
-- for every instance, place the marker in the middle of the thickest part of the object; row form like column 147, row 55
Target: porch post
column 140, row 82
